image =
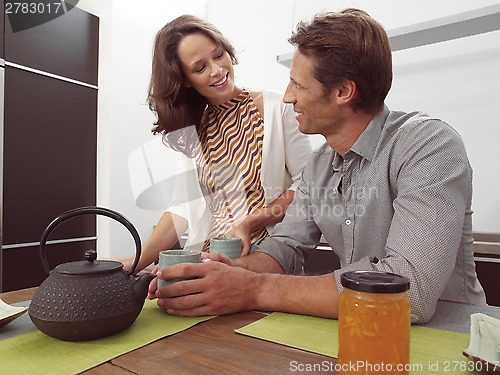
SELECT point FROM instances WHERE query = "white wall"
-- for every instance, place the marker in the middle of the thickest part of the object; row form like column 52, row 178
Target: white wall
column 459, row 81
column 456, row 80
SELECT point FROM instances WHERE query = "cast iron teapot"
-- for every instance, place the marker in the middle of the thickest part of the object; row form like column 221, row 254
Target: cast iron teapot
column 88, row 299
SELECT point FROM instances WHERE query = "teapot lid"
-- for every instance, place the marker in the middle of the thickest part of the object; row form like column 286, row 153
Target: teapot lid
column 88, row 266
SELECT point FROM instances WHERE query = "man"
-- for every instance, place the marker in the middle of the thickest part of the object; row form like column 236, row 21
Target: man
column 390, row 191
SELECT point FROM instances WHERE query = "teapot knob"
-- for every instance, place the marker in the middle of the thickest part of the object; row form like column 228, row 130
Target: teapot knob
column 91, row 255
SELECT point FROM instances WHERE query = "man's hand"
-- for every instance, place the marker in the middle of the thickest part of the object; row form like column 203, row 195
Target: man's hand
column 217, row 289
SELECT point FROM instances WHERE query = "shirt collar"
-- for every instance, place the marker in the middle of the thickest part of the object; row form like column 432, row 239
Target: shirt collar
column 337, row 161
column 367, row 142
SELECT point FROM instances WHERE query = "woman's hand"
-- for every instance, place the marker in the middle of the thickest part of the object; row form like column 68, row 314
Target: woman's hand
column 218, row 257
column 261, row 218
column 127, row 262
column 244, row 232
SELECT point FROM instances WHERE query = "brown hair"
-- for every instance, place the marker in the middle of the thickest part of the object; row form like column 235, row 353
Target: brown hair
column 348, row 45
column 177, row 106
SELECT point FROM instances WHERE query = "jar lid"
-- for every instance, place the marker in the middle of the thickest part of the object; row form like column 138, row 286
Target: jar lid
column 375, row 282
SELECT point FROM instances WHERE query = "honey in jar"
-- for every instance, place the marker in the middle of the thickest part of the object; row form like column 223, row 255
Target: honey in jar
column 374, row 323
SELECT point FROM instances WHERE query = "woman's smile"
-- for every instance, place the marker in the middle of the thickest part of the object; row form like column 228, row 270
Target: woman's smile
column 222, row 82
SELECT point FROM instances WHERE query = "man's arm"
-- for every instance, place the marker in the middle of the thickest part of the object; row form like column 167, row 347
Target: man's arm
column 307, row 295
column 220, row 289
column 432, row 183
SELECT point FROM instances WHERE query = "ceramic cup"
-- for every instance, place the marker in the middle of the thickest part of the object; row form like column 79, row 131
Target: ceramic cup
column 176, row 256
column 231, row 246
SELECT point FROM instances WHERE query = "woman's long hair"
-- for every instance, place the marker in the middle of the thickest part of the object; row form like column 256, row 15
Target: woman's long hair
column 178, row 107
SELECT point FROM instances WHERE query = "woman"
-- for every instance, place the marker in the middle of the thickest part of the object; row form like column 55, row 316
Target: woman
column 245, row 145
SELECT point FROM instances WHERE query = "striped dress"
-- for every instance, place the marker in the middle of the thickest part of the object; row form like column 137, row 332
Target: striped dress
column 230, row 164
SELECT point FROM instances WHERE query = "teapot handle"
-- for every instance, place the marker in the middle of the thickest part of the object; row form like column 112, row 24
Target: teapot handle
column 90, row 210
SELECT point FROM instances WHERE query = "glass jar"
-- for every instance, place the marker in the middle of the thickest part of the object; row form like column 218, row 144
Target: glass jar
column 374, row 323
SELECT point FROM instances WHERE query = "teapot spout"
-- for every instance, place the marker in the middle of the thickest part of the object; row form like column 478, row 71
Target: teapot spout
column 140, row 287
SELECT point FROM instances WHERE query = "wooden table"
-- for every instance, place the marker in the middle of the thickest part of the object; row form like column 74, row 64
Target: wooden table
column 211, row 347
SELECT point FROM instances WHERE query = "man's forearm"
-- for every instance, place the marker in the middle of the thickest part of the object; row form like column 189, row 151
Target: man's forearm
column 306, row 295
column 273, row 291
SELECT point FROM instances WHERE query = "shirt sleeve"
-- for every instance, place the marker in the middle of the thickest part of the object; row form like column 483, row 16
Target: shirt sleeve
column 432, row 198
column 185, row 186
column 297, row 146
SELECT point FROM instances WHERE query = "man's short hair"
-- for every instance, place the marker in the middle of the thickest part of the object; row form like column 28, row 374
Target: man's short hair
column 348, row 45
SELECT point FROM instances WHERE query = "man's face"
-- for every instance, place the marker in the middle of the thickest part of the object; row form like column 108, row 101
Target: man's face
column 316, row 111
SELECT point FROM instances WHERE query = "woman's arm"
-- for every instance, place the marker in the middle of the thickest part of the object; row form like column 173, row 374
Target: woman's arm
column 166, row 233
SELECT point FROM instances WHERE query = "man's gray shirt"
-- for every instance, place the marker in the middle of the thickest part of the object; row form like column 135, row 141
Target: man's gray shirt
column 398, row 201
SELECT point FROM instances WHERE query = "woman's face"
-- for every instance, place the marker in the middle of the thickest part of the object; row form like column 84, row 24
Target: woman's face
column 207, row 68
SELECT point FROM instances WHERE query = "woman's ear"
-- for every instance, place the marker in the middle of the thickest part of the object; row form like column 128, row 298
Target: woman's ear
column 186, row 83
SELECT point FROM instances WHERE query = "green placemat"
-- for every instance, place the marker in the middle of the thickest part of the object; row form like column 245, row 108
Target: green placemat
column 36, row 353
column 432, row 351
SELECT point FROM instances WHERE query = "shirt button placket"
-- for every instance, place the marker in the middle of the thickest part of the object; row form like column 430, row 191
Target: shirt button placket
column 349, row 201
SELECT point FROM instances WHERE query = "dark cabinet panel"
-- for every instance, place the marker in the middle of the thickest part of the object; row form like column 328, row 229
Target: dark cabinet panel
column 49, row 140
column 22, row 267
column 319, row 262
column 66, row 46
column 2, row 23
column 50, row 148
column 487, row 273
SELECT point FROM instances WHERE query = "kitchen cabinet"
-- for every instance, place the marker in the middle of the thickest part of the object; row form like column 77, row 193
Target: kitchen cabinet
column 64, row 46
column 321, row 260
column 49, row 150
column 49, row 153
column 487, row 269
column 487, row 258
column 2, row 23
column 461, row 25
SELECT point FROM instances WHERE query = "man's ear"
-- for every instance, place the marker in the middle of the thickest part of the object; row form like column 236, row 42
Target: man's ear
column 346, row 91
